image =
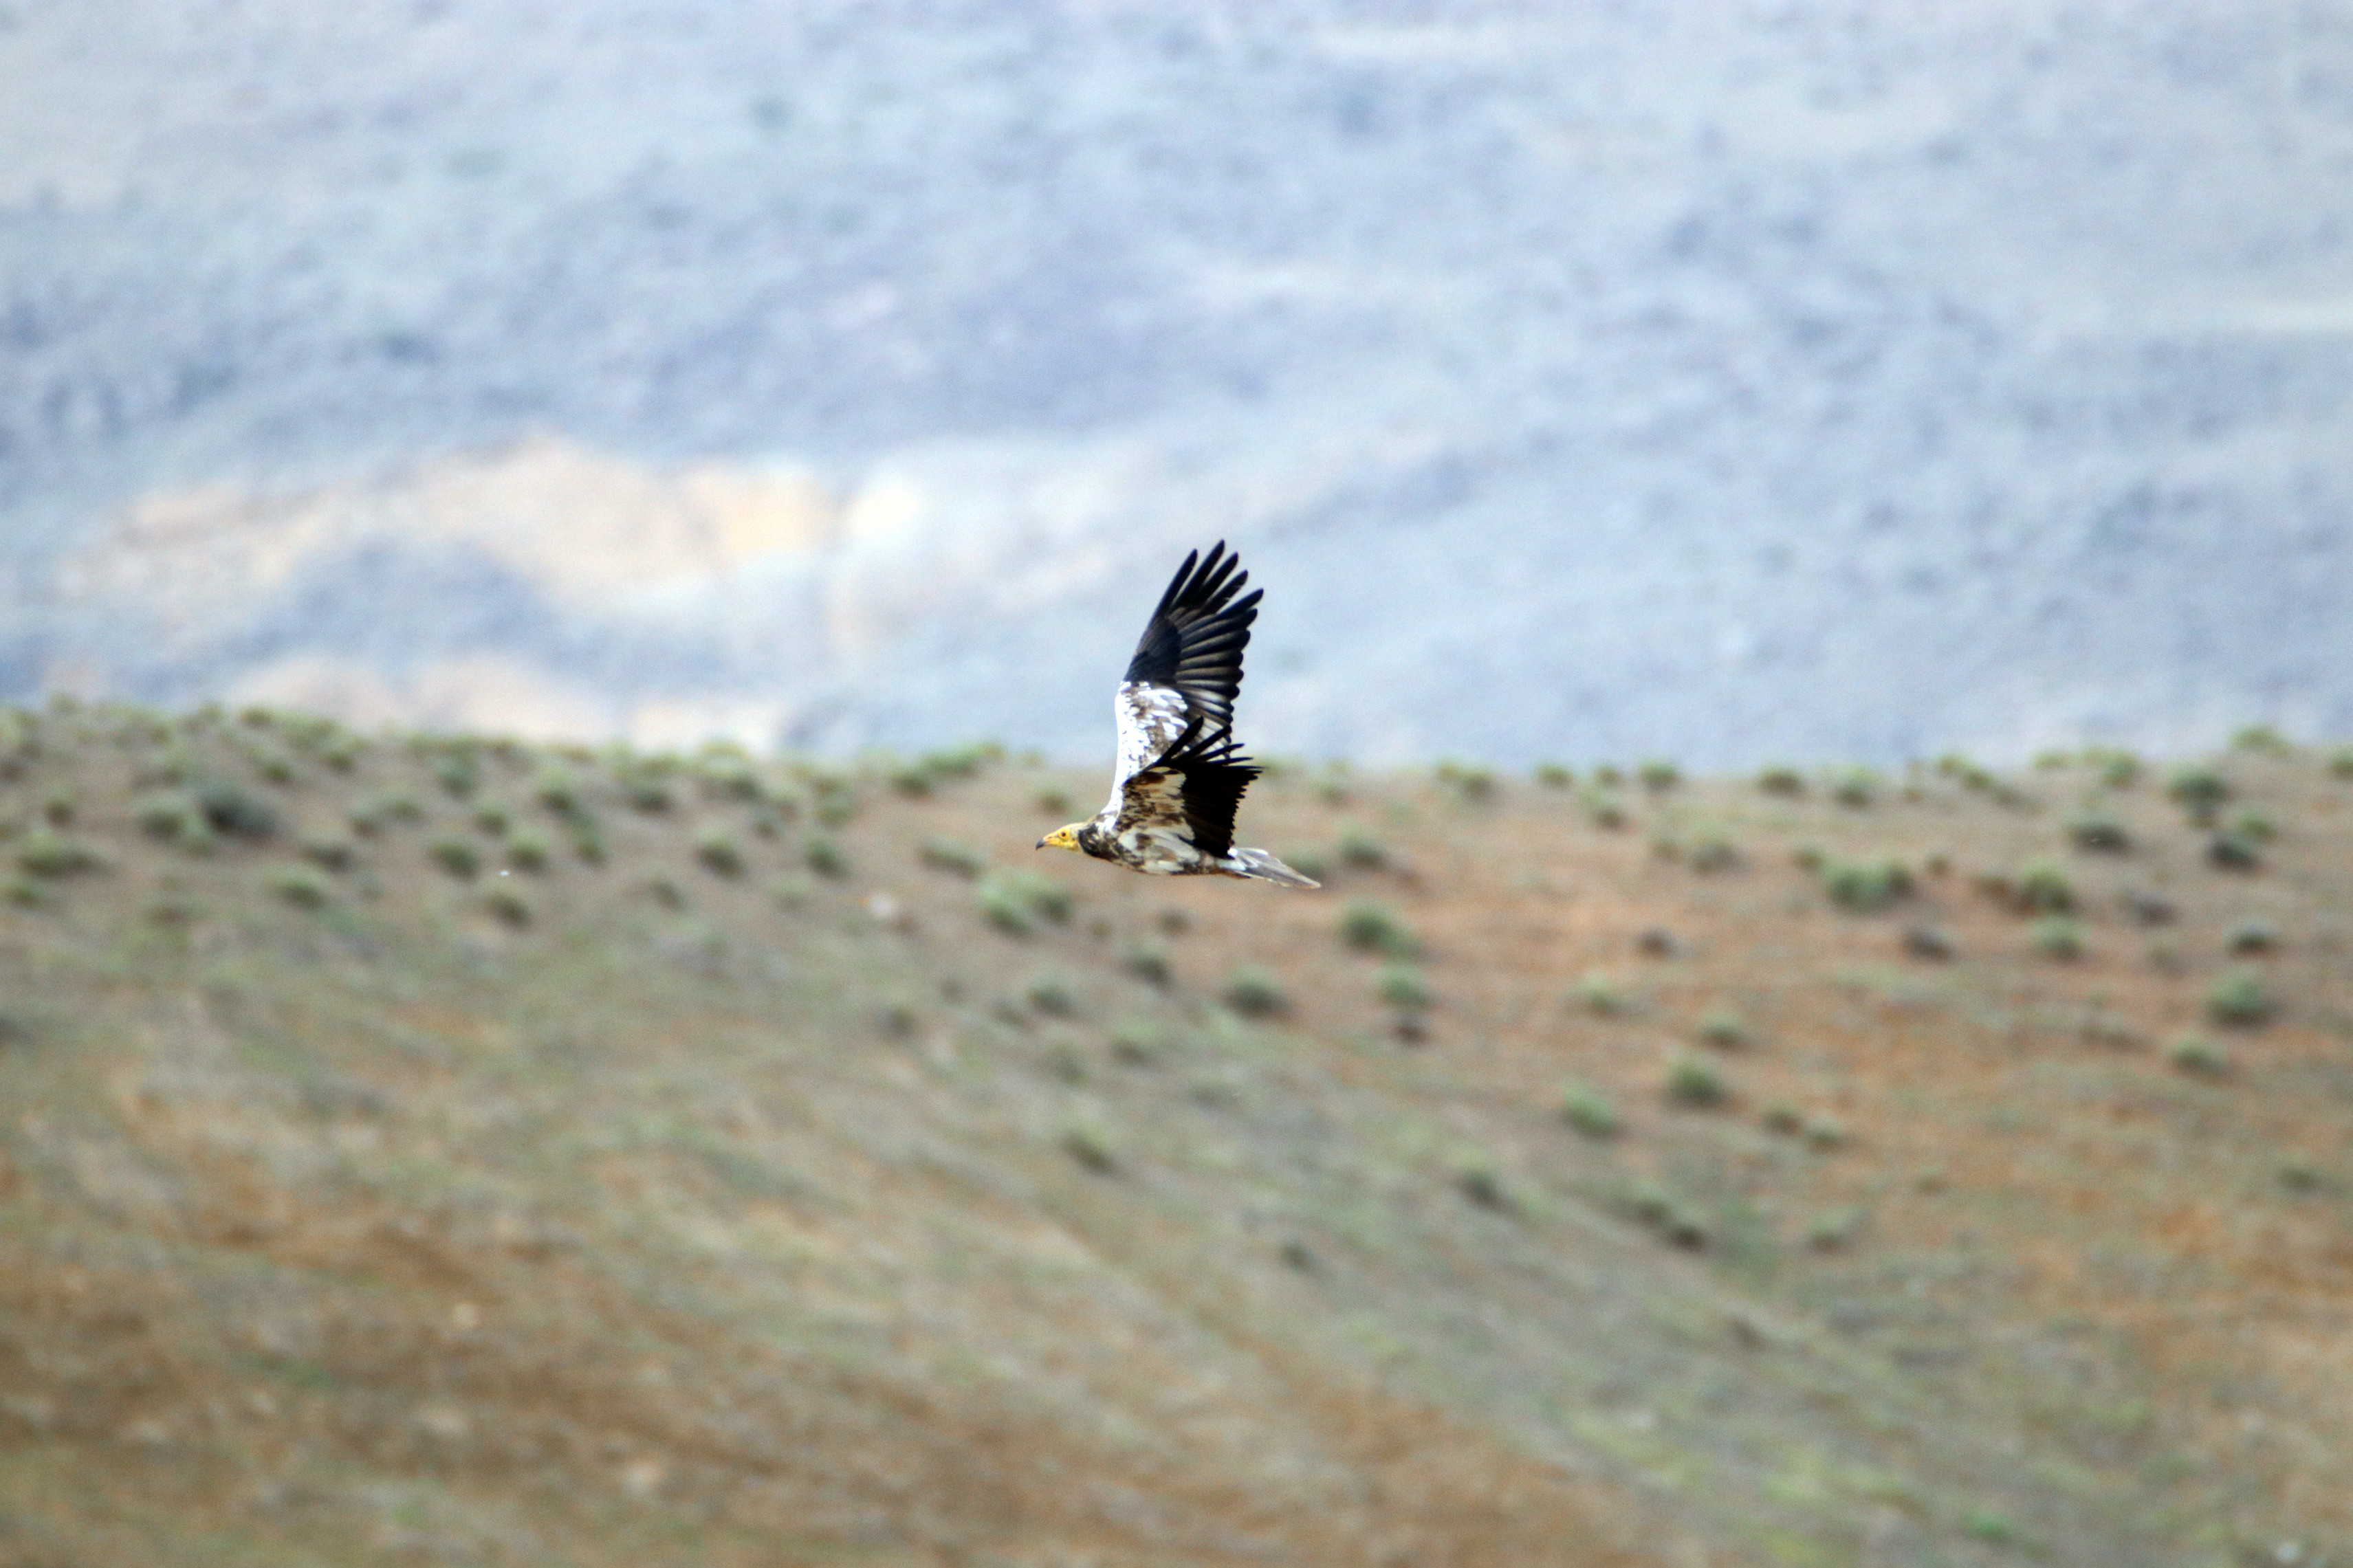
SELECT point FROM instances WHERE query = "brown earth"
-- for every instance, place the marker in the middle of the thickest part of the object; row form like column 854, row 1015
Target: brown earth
column 784, row 1185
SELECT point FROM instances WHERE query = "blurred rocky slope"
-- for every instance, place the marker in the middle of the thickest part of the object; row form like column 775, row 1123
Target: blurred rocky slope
column 1720, row 381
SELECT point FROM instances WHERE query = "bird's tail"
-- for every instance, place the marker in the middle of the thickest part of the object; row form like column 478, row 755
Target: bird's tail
column 1265, row 868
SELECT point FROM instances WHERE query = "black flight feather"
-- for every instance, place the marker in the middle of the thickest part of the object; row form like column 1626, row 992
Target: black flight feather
column 1195, row 639
column 1215, row 775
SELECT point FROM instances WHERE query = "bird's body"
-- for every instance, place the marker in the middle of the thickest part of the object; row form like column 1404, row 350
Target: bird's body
column 1179, row 777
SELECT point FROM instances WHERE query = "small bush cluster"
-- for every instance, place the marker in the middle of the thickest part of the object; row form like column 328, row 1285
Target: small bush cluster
column 1371, row 928
column 1403, row 986
column 458, row 857
column 1255, row 992
column 301, row 886
column 1656, row 1210
column 1585, row 1109
column 1016, row 902
column 824, row 855
column 1360, row 851
column 2198, row 790
column 2058, row 938
column 1694, row 1082
column 2098, row 832
column 719, row 853
column 2241, row 999
column 1865, row 887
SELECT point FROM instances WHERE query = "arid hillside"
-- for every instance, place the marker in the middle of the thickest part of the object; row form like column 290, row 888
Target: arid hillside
column 429, row 1149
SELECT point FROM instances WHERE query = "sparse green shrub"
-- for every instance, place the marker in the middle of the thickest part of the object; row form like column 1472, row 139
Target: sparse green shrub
column 2115, row 1032
column 2198, row 790
column 1369, row 927
column 1781, row 780
column 328, row 854
column 2098, row 832
column 1053, row 802
column 1822, row 1134
column 1403, row 987
column 57, row 809
column 558, row 790
column 1604, row 808
column 23, row 893
column 1552, row 775
column 2340, row 762
column 2119, row 770
column 493, row 819
column 1711, row 850
column 727, row 772
column 2198, row 1056
column 1784, row 1118
column 301, row 886
column 954, row 857
column 1723, row 1029
column 1359, row 851
column 52, row 855
column 2233, row 852
column 1149, row 962
column 1659, row 775
column 1016, row 901
column 1052, row 995
column 2240, row 999
column 1654, row 1209
column 382, row 810
column 1865, row 887
column 456, row 772
column 2264, row 738
column 588, row 844
column 507, row 907
column 1834, row 1231
column 174, row 816
column 1137, row 1042
column 1480, row 1184
column 1608, row 775
column 1855, row 786
column 1927, row 943
column 2255, row 825
column 530, row 850
column 647, row 790
column 2253, row 936
column 2058, row 938
column 274, row 765
column 458, row 857
column 1584, row 1108
column 1470, row 783
column 1255, row 992
column 1694, row 1082
column 720, row 854
column 2043, row 887
column 1600, row 995
column 231, row 809
column 825, row 857
column 1091, row 1150
column 1809, row 858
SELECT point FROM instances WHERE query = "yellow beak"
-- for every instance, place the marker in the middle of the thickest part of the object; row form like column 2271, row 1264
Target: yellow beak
column 1060, row 838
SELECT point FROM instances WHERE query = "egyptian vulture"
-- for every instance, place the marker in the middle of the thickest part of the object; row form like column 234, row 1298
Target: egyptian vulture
column 1179, row 778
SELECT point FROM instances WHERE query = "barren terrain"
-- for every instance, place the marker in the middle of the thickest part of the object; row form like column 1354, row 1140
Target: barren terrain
column 435, row 1148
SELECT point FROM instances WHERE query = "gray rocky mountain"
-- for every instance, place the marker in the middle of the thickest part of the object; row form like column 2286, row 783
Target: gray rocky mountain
column 1723, row 381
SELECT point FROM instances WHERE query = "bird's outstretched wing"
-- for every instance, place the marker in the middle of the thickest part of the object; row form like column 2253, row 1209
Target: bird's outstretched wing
column 1188, row 794
column 1188, row 663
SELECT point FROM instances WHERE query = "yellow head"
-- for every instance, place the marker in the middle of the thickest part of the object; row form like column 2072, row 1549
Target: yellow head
column 1064, row 839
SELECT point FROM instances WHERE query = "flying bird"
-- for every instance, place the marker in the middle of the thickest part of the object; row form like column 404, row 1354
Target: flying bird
column 1179, row 777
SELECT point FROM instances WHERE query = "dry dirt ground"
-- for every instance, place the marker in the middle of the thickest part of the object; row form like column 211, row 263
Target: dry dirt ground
column 427, row 1149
